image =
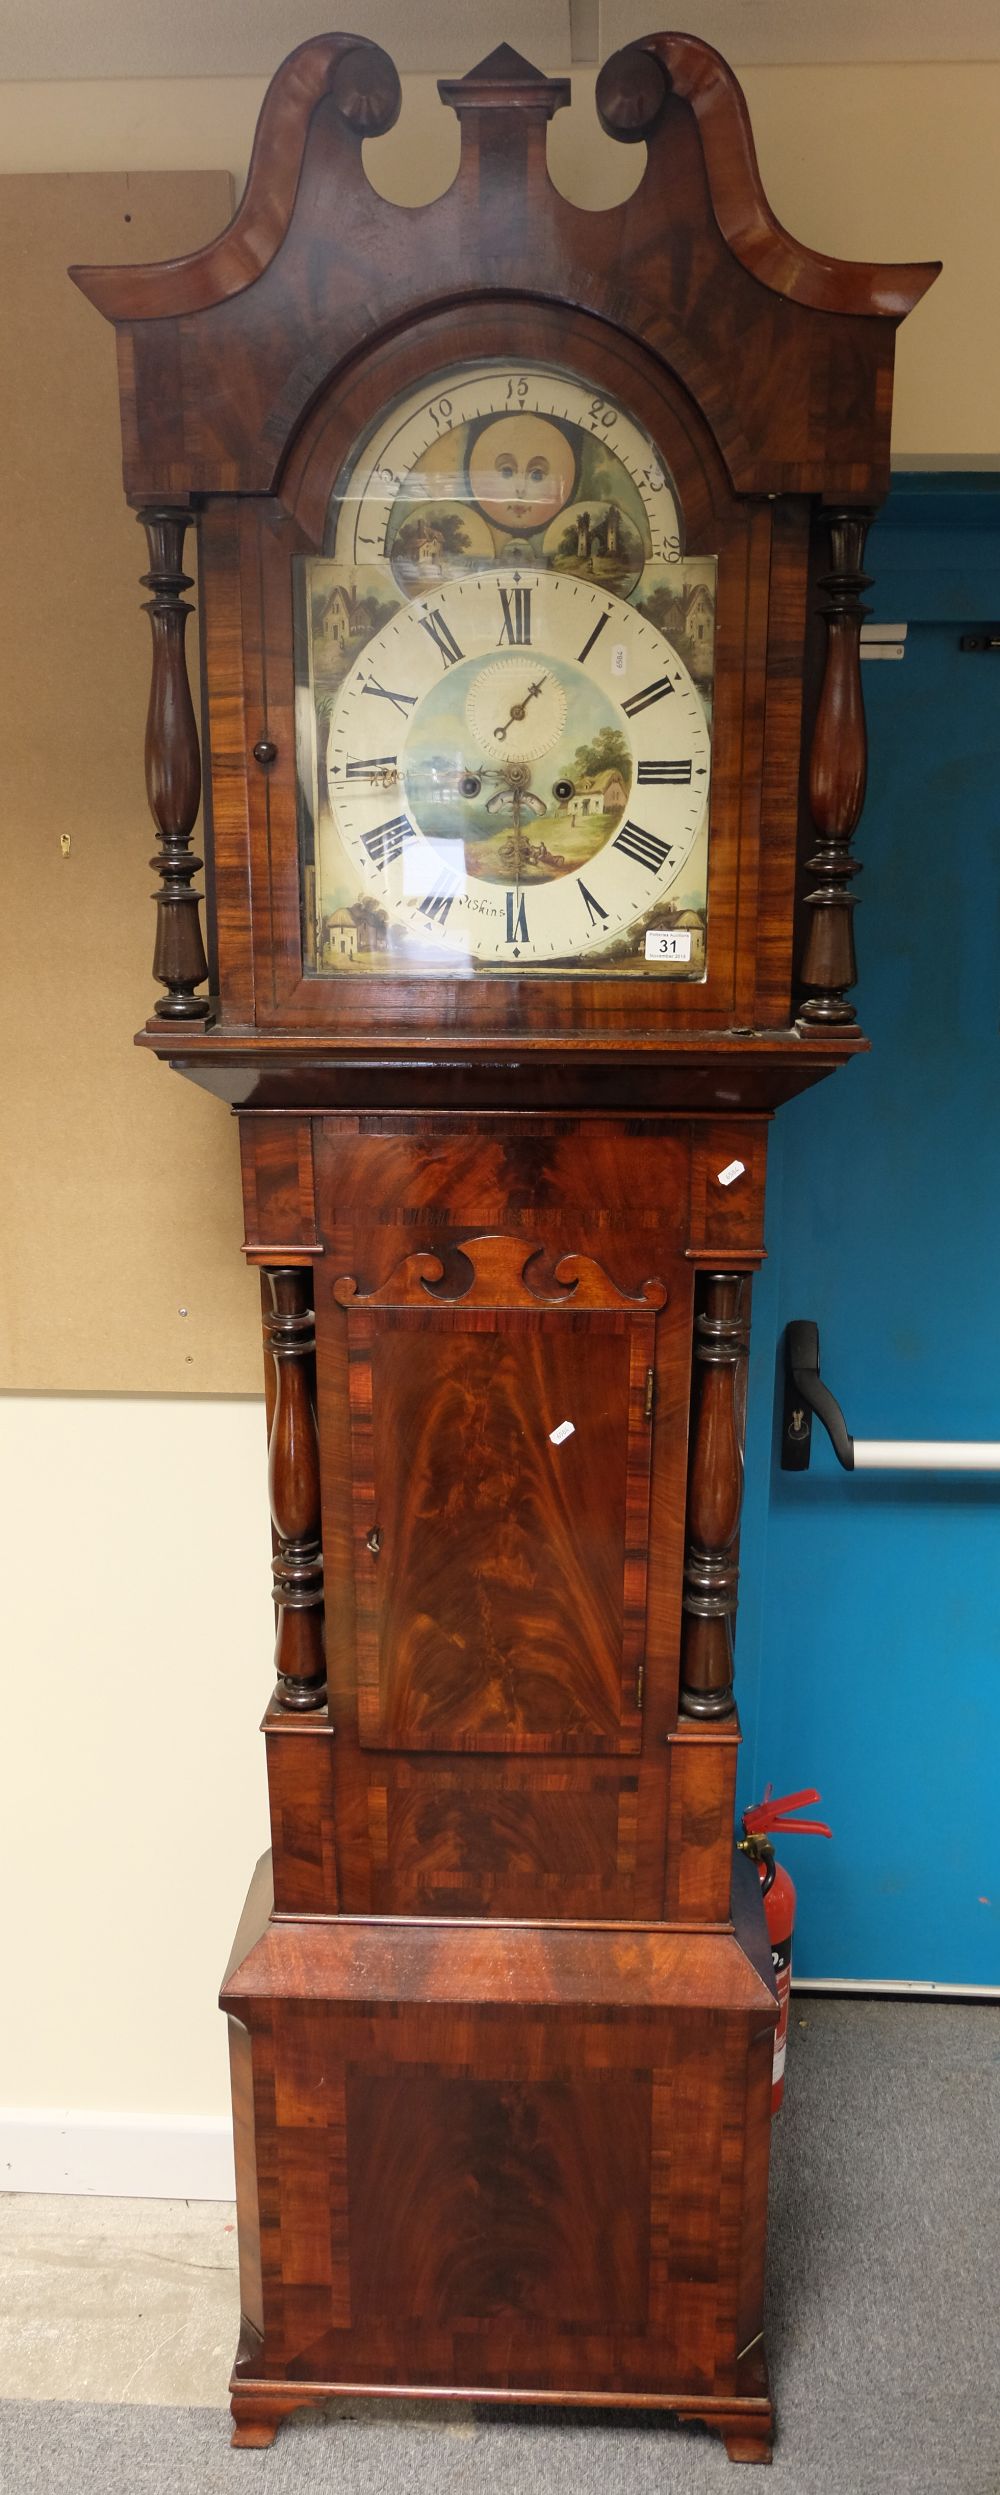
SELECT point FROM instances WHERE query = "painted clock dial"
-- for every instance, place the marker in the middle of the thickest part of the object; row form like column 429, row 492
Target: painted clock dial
column 511, row 773
column 497, row 462
column 504, row 581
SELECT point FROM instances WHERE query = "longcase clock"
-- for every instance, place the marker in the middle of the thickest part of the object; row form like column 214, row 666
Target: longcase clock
column 530, row 548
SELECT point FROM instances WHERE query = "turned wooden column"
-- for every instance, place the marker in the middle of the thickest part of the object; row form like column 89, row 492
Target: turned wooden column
column 173, row 771
column 715, row 1499
column 838, row 769
column 293, row 1481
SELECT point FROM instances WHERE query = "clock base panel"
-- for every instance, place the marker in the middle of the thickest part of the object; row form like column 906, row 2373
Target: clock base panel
column 503, row 2162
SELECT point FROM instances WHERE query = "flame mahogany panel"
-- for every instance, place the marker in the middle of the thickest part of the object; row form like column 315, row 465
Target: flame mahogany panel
column 452, row 1312
column 500, row 1571
column 560, row 2170
column 499, row 1619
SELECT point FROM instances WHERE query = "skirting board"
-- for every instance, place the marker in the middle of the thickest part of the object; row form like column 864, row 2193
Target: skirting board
column 117, row 2156
column 914, row 1988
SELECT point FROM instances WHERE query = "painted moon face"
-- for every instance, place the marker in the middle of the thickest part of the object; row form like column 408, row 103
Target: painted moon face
column 522, row 471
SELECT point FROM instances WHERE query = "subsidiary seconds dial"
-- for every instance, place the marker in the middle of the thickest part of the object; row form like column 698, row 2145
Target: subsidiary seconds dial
column 518, row 772
column 516, row 709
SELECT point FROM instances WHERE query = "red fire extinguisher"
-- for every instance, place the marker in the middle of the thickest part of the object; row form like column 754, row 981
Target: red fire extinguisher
column 759, row 1825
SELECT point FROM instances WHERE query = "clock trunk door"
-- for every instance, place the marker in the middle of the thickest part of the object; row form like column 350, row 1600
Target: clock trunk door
column 501, row 1489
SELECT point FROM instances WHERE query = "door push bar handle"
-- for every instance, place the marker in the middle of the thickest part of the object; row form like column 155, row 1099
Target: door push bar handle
column 806, row 1394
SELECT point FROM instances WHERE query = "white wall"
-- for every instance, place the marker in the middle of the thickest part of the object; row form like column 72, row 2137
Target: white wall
column 139, row 1626
column 138, row 1666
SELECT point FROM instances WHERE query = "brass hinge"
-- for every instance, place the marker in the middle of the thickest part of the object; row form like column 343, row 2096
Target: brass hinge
column 647, row 1409
column 639, row 1680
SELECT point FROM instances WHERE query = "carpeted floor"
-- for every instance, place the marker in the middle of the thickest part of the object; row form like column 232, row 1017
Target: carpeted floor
column 883, row 2335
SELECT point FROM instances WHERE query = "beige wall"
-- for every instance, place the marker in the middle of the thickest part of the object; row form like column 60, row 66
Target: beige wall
column 139, row 1627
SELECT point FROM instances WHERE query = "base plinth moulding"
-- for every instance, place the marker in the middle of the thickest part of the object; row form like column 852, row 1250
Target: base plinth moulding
column 745, row 2421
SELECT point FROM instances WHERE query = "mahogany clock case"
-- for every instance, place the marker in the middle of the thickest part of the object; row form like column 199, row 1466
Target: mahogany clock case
column 501, row 2010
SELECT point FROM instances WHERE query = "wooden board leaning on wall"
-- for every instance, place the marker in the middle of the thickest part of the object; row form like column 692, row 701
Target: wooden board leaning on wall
column 100, row 1247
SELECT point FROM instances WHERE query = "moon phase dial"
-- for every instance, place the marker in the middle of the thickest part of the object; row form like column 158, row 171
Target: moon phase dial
column 499, row 464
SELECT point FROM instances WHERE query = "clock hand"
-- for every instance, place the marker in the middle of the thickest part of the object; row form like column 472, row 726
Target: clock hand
column 519, row 709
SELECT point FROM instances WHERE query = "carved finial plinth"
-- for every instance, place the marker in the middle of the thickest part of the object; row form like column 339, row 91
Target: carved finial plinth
column 505, row 83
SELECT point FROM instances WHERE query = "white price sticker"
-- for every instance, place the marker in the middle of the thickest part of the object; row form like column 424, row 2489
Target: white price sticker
column 732, row 1171
column 566, row 1429
column 668, row 944
column 619, row 659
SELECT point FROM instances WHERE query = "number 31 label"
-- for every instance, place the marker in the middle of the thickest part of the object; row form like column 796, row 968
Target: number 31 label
column 668, row 944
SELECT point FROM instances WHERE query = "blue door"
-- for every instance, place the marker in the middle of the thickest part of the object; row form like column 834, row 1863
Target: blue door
column 869, row 1634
